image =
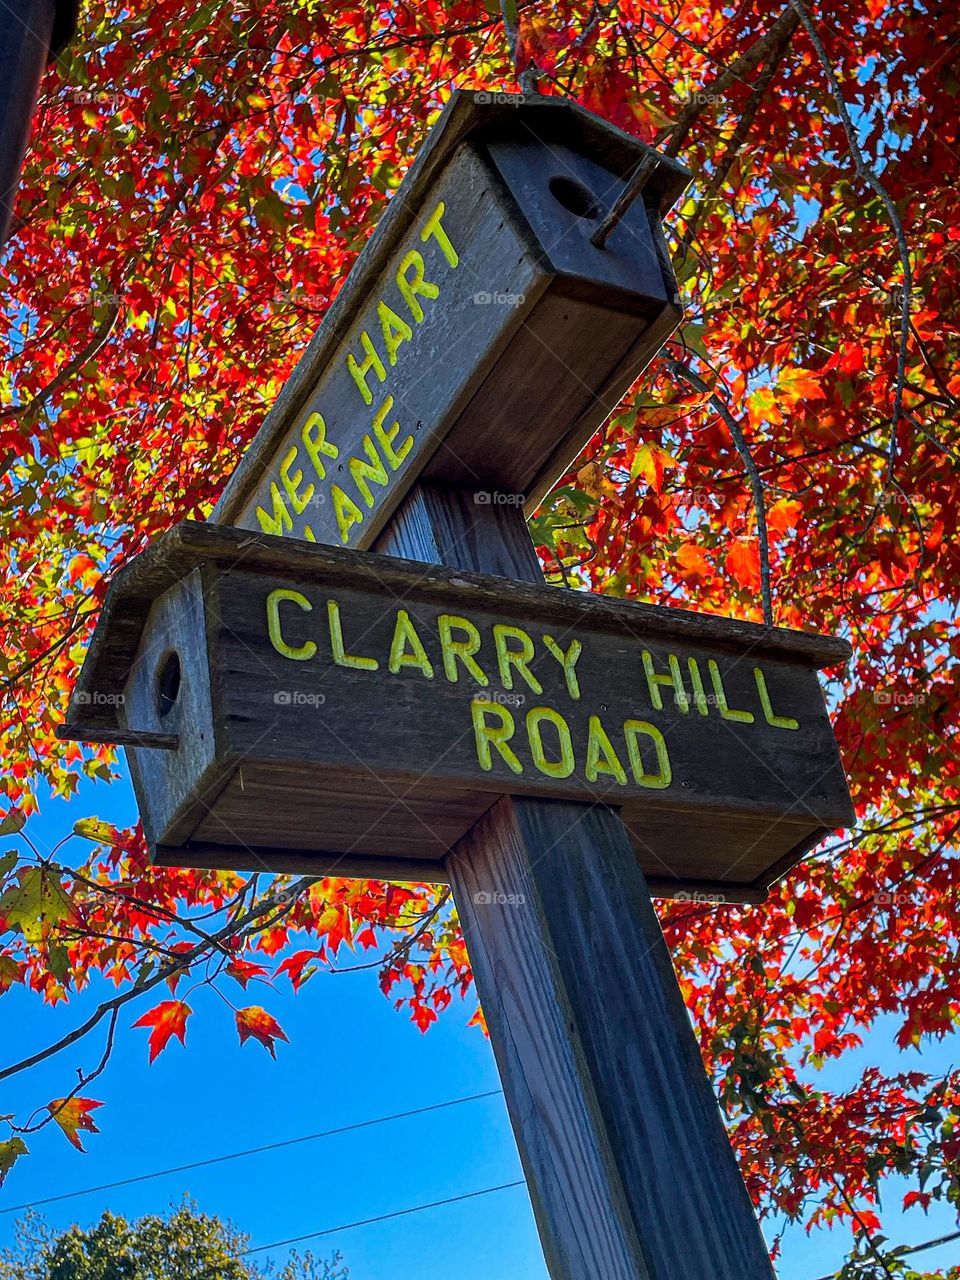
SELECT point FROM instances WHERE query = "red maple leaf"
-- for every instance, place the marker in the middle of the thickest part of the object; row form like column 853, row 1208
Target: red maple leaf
column 255, row 1021
column 72, row 1115
column 168, row 1019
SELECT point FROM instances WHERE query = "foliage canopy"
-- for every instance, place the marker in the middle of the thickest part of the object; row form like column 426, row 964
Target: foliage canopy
column 201, row 180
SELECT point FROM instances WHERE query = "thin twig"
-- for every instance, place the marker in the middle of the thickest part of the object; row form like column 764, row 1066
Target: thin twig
column 100, row 335
column 781, row 30
column 253, row 918
column 756, row 481
column 893, row 217
column 635, row 184
column 511, row 25
column 84, row 1079
column 744, row 125
column 403, row 947
column 903, row 1251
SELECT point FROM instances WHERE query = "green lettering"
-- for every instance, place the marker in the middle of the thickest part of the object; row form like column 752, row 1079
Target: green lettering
column 778, row 722
column 459, row 649
column 601, row 757
column 340, row 655
column 563, row 767
column 664, row 776
column 508, row 658
column 499, row 736
column 406, row 649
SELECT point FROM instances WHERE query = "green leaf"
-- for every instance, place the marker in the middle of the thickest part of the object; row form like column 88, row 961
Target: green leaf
column 10, row 1153
column 12, row 822
column 58, row 961
column 95, row 829
column 692, row 336
column 7, row 863
column 650, row 461
column 36, row 903
column 9, row 973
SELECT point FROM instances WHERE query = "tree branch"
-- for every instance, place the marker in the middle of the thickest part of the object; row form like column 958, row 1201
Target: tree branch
column 188, row 959
column 99, row 337
column 778, row 35
column 756, row 482
column 893, row 217
column 510, row 13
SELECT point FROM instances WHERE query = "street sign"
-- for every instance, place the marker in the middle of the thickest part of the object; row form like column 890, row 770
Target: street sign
column 307, row 690
column 481, row 338
column 554, row 755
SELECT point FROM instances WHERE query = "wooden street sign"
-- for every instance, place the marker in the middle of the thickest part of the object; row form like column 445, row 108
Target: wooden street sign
column 306, row 689
column 554, row 755
column 481, row 338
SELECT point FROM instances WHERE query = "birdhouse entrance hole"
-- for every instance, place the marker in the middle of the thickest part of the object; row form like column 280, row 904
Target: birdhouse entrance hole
column 168, row 683
column 574, row 197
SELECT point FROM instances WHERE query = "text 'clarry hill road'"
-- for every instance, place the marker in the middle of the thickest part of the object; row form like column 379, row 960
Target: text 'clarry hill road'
column 522, row 699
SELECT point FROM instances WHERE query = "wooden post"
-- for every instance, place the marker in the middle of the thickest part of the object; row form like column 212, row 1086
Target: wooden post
column 29, row 31
column 629, row 1167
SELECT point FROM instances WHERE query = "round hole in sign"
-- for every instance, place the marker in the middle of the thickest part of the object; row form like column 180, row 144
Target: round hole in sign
column 168, row 683
column 574, row 197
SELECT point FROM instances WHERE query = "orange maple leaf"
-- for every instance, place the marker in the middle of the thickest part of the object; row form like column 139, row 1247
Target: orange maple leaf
column 422, row 1014
column 800, row 384
column 244, row 970
column 255, row 1021
column 72, row 1115
column 784, row 515
column 168, row 1019
column 693, row 561
column 743, row 563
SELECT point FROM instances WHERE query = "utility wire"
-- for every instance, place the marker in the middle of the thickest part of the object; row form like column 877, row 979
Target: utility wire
column 914, row 1248
column 253, row 1151
column 383, row 1217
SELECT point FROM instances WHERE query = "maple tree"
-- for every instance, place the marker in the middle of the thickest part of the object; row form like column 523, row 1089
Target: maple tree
column 200, row 183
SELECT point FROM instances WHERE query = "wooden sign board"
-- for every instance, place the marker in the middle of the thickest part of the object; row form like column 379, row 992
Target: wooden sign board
column 481, row 338
column 375, row 708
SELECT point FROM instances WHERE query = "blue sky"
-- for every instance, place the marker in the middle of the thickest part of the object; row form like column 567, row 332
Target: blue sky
column 351, row 1058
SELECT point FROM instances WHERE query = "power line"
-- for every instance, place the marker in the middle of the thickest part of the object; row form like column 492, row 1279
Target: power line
column 253, row 1151
column 360, row 1222
column 914, row 1248
column 383, row 1217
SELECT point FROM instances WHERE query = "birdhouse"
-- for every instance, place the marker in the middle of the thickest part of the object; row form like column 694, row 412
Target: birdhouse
column 287, row 706
column 486, row 331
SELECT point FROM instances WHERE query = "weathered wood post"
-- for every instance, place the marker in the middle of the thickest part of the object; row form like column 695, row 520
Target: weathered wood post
column 627, row 1161
column 389, row 689
column 30, row 32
